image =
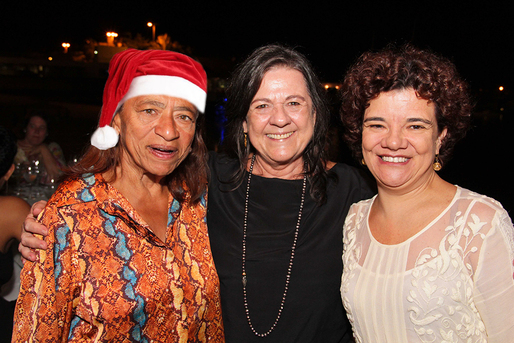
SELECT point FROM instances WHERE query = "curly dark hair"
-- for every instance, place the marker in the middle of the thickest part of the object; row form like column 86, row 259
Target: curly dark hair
column 245, row 83
column 433, row 77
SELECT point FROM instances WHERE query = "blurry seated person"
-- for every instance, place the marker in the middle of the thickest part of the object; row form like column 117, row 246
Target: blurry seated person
column 33, row 147
column 13, row 211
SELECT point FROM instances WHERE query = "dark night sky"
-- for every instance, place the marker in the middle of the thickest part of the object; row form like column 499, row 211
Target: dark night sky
column 477, row 36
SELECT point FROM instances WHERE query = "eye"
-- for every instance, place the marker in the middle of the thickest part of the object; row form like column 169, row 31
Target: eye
column 149, row 111
column 185, row 117
column 373, row 125
column 417, row 127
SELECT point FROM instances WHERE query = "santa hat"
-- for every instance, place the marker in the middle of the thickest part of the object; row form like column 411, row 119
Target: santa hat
column 135, row 72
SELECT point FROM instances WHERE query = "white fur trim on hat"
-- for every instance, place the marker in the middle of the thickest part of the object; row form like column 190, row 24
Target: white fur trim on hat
column 104, row 138
column 174, row 86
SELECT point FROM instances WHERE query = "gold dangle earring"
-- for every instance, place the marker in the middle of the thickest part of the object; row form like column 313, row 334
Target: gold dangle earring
column 437, row 165
column 245, row 138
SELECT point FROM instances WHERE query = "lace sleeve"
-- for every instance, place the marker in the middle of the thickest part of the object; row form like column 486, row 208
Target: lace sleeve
column 506, row 228
column 494, row 280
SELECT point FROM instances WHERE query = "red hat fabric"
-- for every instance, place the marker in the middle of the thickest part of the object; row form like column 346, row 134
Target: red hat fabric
column 136, row 72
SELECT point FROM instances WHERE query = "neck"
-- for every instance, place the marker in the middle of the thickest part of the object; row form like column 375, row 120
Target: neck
column 434, row 190
column 288, row 171
column 137, row 186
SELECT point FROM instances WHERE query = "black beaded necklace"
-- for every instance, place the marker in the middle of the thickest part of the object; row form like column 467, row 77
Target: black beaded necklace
column 288, row 276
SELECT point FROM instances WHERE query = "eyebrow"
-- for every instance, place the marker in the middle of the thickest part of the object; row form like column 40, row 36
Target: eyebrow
column 152, row 102
column 289, row 97
column 409, row 120
column 184, row 108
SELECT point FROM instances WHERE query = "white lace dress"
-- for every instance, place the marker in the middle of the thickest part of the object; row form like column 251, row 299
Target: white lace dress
column 451, row 282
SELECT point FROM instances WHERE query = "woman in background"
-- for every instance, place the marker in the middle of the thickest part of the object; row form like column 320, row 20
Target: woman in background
column 424, row 260
column 33, row 147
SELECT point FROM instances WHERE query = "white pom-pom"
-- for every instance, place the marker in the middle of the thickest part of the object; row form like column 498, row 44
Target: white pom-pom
column 104, row 138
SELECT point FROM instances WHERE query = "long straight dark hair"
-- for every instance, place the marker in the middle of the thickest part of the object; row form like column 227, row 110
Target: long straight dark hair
column 245, row 83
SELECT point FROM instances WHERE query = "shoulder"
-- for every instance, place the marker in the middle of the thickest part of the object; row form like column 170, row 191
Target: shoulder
column 477, row 202
column 13, row 210
column 221, row 165
column 10, row 203
column 77, row 190
column 361, row 206
column 482, row 210
column 353, row 179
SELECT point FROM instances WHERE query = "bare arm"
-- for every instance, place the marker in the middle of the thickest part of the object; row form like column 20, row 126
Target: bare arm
column 13, row 211
column 29, row 228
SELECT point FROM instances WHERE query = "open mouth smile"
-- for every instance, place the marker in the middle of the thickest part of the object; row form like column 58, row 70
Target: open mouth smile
column 279, row 136
column 394, row 159
column 162, row 151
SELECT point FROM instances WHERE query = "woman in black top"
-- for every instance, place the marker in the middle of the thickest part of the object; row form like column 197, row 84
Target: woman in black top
column 277, row 206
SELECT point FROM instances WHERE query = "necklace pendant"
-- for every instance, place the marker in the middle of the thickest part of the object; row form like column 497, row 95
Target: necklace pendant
column 244, row 280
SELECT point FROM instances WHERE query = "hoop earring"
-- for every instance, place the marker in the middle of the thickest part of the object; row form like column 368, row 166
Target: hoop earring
column 437, row 165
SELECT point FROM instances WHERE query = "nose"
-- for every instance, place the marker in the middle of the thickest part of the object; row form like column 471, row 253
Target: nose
column 167, row 129
column 394, row 139
column 279, row 116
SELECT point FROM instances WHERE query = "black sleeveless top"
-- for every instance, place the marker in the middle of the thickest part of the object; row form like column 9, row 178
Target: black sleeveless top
column 313, row 311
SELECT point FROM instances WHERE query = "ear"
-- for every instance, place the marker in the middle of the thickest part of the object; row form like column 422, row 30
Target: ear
column 440, row 139
column 245, row 127
column 116, row 122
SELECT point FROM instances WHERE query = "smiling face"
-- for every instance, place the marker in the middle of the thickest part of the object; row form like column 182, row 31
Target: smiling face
column 400, row 139
column 280, row 121
column 156, row 133
column 36, row 131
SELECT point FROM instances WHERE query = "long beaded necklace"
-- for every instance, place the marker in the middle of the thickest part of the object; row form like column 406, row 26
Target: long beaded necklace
column 288, row 276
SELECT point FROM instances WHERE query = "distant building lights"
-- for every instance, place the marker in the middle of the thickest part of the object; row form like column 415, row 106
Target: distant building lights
column 110, row 37
column 65, row 46
column 152, row 25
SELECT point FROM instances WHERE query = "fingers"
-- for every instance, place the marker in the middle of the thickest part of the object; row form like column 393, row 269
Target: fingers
column 37, row 208
column 31, row 226
column 27, row 254
column 28, row 240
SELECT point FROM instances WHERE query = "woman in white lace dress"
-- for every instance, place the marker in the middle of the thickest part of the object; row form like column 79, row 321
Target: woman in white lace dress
column 424, row 260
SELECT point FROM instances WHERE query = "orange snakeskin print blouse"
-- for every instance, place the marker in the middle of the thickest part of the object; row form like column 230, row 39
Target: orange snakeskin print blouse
column 107, row 277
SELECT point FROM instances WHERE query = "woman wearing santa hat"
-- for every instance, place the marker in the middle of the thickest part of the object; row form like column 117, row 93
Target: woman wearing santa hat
column 129, row 256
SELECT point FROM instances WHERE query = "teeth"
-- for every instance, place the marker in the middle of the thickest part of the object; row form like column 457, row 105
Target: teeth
column 394, row 159
column 163, row 150
column 282, row 136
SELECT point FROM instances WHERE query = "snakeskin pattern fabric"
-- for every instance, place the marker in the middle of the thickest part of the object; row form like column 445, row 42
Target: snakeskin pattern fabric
column 107, row 277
